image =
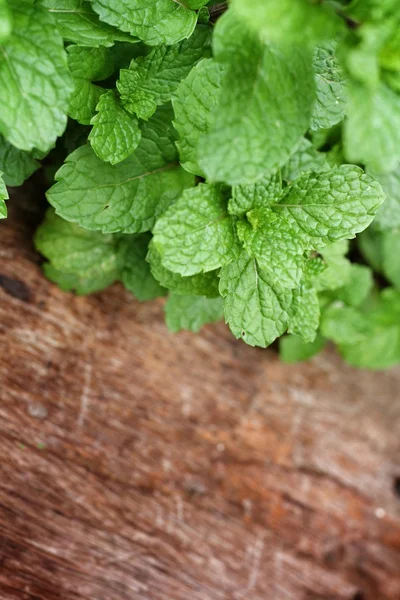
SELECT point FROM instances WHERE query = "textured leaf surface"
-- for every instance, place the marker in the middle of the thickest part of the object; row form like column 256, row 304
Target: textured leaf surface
column 192, row 312
column 256, row 195
column 288, row 20
column 80, row 260
column 277, row 248
column 35, row 84
column 196, row 234
column 276, row 87
column 195, row 100
column 126, row 197
column 372, row 127
column 305, row 314
column 202, row 284
column 254, row 310
column 330, row 105
column 151, row 80
column 77, row 22
column 153, row 21
column 116, row 133
column 135, row 270
column 304, row 158
column 16, row 165
column 327, row 207
column 358, row 286
column 338, row 267
column 3, row 197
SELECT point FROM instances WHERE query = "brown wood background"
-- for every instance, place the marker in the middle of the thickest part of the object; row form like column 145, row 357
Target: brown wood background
column 137, row 464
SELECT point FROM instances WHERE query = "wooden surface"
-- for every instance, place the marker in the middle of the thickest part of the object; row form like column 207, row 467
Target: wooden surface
column 137, row 464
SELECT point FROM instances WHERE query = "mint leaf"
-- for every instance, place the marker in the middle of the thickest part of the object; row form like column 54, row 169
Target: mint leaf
column 358, row 287
column 151, row 80
column 80, row 260
column 153, row 21
column 256, row 195
column 388, row 215
column 202, row 284
column 5, row 21
column 372, row 127
column 116, row 133
column 276, row 87
column 194, row 103
column 327, row 207
column 192, row 312
column 338, row 268
column 390, row 255
column 196, row 234
column 16, row 165
column 289, row 20
column 3, row 197
column 304, row 158
column 370, row 244
column 127, row 197
column 34, row 81
column 255, row 310
column 277, row 248
column 305, row 314
column 331, row 100
column 292, row 349
column 135, row 270
column 77, row 22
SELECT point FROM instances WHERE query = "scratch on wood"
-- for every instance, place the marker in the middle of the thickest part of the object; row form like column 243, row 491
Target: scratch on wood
column 85, row 396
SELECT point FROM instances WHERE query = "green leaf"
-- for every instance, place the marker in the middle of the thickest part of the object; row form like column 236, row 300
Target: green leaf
column 292, row 349
column 5, row 21
column 151, row 80
column 330, row 105
column 3, row 197
column 277, row 248
column 327, row 207
column 305, row 314
column 372, row 127
column 35, row 84
column 388, row 215
column 194, row 103
column 116, row 133
column 153, row 21
column 16, row 165
column 196, row 234
column 266, row 99
column 289, row 21
column 391, row 254
column 135, row 270
column 255, row 310
column 202, row 284
column 338, row 267
column 192, row 312
column 256, row 195
column 127, row 197
column 81, row 260
column 305, row 158
column 194, row 4
column 77, row 22
column 370, row 244
column 358, row 287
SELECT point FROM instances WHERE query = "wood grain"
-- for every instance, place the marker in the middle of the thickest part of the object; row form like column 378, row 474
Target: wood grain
column 137, row 464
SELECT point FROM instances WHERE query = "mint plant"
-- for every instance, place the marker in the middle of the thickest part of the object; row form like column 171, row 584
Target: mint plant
column 223, row 154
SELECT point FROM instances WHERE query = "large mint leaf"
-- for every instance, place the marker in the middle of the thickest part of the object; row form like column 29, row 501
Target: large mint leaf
column 330, row 105
column 16, row 165
column 126, row 197
column 194, row 102
column 77, row 22
column 255, row 195
column 275, row 245
column 196, row 234
column 116, row 133
column 289, row 20
column 202, row 284
column 372, row 127
column 265, row 106
column 255, row 310
column 3, row 197
column 153, row 21
column 192, row 312
column 135, row 270
column 151, row 80
column 35, row 84
column 330, row 206
column 80, row 260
